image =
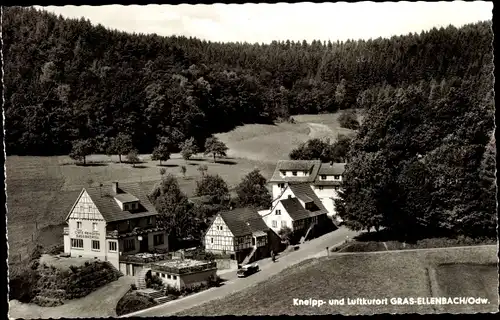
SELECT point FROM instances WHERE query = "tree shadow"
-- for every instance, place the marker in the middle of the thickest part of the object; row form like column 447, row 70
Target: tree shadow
column 229, row 162
column 198, row 159
column 167, row 165
column 97, row 164
column 193, row 164
column 139, row 167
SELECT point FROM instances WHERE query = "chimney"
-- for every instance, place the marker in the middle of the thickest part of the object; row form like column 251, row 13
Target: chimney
column 115, row 187
column 331, row 163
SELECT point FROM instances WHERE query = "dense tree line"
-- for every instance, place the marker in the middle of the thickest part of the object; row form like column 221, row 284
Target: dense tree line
column 68, row 80
column 422, row 163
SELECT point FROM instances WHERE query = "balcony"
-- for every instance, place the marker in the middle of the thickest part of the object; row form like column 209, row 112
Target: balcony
column 144, row 258
column 114, row 234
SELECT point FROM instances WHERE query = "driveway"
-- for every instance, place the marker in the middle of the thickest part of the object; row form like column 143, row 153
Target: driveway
column 310, row 249
column 100, row 303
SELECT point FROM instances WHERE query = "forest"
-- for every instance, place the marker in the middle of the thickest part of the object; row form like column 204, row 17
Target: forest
column 68, row 80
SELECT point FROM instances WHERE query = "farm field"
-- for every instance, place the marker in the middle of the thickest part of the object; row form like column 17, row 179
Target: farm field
column 271, row 143
column 41, row 190
column 371, row 276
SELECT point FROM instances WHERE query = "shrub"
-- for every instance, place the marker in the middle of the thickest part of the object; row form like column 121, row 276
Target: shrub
column 55, row 249
column 47, row 302
column 154, row 282
column 133, row 286
column 132, row 302
column 169, row 290
column 349, row 120
column 22, row 283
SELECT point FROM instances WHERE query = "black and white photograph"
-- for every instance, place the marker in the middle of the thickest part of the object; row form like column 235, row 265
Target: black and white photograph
column 250, row 159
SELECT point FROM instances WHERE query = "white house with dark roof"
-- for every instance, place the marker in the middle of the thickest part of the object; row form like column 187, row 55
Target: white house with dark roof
column 324, row 179
column 111, row 223
column 242, row 234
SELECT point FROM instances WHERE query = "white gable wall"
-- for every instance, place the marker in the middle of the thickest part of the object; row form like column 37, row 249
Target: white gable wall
column 278, row 219
column 86, row 213
column 218, row 237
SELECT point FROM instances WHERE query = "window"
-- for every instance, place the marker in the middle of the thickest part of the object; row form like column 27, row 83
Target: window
column 337, row 188
column 278, row 212
column 112, row 246
column 289, row 196
column 309, row 206
column 94, row 226
column 253, row 241
column 323, row 177
column 169, row 276
column 150, row 220
column 211, row 240
column 320, row 187
column 275, row 224
column 294, row 173
column 158, row 239
column 336, row 177
column 78, row 224
column 281, row 185
column 77, row 243
column 283, row 224
column 163, row 275
column 174, row 277
column 129, row 244
column 96, row 245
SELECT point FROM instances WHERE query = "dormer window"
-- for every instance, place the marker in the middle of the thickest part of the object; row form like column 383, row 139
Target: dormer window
column 336, row 177
column 309, row 205
column 323, row 177
column 294, row 173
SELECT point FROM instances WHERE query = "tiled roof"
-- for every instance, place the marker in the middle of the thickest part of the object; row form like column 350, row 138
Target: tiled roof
column 304, row 192
column 331, row 169
column 126, row 197
column 295, row 209
column 244, row 221
column 311, row 166
column 110, row 210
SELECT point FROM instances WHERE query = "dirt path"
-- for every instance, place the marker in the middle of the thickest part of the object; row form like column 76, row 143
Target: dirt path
column 100, row 303
column 319, row 130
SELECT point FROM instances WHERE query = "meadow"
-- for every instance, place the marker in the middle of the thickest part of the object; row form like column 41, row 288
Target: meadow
column 273, row 142
column 41, row 190
column 449, row 272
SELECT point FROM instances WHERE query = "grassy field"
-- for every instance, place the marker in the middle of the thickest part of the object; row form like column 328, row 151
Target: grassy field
column 373, row 275
column 274, row 142
column 41, row 190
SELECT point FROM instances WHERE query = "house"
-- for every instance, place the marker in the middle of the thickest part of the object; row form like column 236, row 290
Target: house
column 242, row 234
column 112, row 224
column 324, row 179
column 184, row 273
column 297, row 207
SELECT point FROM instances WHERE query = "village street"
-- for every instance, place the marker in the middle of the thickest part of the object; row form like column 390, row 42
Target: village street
column 310, row 249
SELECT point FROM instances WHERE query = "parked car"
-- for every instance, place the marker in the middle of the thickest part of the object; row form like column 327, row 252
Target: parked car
column 247, row 270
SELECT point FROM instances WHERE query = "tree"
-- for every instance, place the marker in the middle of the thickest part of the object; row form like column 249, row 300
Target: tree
column 349, row 120
column 188, row 148
column 176, row 213
column 120, row 145
column 183, row 171
column 313, row 149
column 160, row 153
column 215, row 147
column 286, row 234
column 203, row 169
column 80, row 150
column 252, row 191
column 340, row 149
column 213, row 186
column 133, row 157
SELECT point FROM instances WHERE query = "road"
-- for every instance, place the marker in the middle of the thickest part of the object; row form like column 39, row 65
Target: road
column 310, row 249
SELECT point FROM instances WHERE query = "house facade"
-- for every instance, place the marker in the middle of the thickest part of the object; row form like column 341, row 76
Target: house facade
column 324, row 179
column 110, row 223
column 242, row 234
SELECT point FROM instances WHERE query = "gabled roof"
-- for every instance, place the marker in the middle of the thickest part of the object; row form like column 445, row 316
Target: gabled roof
column 327, row 183
column 243, row 221
column 295, row 209
column 103, row 198
column 304, row 192
column 311, row 166
column 332, row 169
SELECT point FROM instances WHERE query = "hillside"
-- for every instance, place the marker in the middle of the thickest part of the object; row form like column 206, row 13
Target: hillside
column 457, row 272
column 88, row 82
column 270, row 143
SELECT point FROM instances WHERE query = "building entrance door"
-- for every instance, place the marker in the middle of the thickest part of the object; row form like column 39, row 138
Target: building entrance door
column 144, row 244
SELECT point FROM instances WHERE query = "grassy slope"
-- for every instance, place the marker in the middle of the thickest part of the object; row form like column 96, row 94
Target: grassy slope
column 270, row 143
column 43, row 189
column 380, row 275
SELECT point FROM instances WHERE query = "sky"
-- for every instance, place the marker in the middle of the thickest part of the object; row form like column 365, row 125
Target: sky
column 264, row 23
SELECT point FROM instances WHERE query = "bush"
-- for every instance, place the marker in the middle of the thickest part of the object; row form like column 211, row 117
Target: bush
column 349, row 120
column 47, row 302
column 154, row 282
column 133, row 287
column 132, row 302
column 169, row 290
column 55, row 249
column 23, row 283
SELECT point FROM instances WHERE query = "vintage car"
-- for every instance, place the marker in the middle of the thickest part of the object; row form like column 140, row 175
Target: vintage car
column 247, row 270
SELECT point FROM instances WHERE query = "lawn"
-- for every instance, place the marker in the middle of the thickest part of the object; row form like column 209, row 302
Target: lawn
column 270, row 143
column 379, row 275
column 42, row 190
